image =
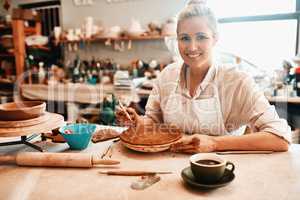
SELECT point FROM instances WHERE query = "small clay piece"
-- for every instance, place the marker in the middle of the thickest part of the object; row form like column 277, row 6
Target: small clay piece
column 54, row 136
column 104, row 134
column 145, row 181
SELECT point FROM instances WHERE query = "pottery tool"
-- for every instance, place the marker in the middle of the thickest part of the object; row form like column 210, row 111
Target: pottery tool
column 55, row 160
column 124, row 110
column 133, row 173
column 145, row 182
column 109, row 151
column 244, row 152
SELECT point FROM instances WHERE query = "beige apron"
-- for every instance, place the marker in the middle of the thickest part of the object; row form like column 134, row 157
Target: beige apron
column 195, row 115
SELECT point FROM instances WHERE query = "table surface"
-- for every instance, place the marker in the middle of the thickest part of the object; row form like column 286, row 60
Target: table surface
column 284, row 99
column 77, row 92
column 258, row 176
column 84, row 93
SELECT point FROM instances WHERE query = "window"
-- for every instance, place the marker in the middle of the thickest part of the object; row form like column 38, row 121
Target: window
column 263, row 32
column 50, row 14
column 235, row 8
column 265, row 43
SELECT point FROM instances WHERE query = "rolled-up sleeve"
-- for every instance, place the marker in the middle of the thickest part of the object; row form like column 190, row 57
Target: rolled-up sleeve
column 258, row 111
column 153, row 109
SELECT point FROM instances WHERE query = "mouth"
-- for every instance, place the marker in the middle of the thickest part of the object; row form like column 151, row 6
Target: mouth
column 193, row 55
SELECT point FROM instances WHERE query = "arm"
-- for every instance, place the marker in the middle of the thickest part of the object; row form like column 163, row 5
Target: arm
column 252, row 108
column 254, row 141
column 153, row 111
column 271, row 132
column 251, row 142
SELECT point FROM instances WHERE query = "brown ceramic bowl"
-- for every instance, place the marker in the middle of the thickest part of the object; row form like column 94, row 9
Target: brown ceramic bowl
column 21, row 110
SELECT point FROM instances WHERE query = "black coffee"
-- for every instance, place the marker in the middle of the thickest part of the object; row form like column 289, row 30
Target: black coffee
column 208, row 162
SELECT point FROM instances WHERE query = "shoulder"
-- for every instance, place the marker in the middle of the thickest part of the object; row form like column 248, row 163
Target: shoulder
column 232, row 74
column 170, row 72
column 172, row 68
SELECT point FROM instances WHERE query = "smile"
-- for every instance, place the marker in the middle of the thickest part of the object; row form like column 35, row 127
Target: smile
column 193, row 55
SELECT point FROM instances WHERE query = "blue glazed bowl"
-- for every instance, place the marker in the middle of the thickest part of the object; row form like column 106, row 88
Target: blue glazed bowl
column 77, row 136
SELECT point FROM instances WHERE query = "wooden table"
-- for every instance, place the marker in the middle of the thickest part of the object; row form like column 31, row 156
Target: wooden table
column 284, row 99
column 76, row 93
column 258, row 176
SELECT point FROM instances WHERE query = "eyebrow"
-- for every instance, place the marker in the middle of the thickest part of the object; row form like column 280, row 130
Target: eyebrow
column 183, row 34
column 202, row 34
column 197, row 34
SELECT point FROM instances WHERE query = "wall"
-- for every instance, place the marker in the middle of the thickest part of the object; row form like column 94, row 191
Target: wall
column 120, row 13
column 110, row 14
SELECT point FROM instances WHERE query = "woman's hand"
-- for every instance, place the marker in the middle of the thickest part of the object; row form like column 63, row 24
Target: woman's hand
column 195, row 144
column 124, row 120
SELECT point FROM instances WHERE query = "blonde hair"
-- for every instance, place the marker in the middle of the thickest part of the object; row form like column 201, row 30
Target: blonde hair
column 198, row 8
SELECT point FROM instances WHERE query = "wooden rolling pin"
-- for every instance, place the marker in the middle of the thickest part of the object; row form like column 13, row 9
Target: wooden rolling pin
column 55, row 160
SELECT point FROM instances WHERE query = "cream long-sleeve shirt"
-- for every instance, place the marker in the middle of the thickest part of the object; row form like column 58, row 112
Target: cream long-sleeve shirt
column 241, row 101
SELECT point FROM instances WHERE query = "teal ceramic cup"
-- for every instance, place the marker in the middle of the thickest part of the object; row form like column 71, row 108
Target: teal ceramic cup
column 78, row 136
column 209, row 167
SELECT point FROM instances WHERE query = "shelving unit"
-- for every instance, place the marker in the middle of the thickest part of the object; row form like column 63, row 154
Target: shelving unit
column 20, row 31
column 5, row 29
column 6, row 55
column 6, row 63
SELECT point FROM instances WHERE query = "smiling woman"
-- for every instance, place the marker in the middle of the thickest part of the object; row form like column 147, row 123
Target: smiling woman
column 209, row 100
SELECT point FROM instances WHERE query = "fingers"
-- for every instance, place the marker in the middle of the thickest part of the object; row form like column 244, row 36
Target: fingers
column 190, row 145
column 186, row 149
column 128, row 119
column 130, row 111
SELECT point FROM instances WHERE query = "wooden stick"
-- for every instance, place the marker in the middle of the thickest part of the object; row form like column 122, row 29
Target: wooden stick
column 132, row 173
column 244, row 152
column 124, row 110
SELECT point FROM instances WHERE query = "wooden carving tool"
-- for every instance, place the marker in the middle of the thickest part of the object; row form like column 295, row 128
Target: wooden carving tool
column 244, row 152
column 124, row 110
column 55, row 160
column 133, row 173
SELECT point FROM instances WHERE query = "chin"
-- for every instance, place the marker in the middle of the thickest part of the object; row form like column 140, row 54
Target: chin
column 195, row 62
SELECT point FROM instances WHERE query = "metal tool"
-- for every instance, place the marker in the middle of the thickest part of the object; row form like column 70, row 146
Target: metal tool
column 109, row 151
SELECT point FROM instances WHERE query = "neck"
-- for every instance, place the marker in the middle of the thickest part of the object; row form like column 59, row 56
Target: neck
column 198, row 72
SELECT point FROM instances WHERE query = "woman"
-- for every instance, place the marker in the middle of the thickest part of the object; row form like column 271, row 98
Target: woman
column 207, row 100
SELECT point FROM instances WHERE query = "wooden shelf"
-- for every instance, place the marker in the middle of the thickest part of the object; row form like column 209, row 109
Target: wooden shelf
column 6, row 81
column 6, row 55
column 100, row 39
column 3, row 27
column 30, row 31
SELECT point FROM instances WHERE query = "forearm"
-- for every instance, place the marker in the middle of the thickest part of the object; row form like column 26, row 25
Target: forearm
column 254, row 141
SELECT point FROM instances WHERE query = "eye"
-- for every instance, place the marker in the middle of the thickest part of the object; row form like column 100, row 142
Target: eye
column 184, row 38
column 201, row 37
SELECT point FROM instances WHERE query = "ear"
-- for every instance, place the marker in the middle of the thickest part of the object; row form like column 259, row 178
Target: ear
column 216, row 38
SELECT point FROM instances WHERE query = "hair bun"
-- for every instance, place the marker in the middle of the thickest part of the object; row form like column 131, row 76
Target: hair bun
column 196, row 2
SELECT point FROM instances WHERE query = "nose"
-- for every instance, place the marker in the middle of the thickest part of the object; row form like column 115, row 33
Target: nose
column 192, row 45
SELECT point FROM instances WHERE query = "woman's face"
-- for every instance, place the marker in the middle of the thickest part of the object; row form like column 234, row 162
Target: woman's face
column 195, row 41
